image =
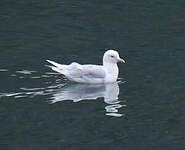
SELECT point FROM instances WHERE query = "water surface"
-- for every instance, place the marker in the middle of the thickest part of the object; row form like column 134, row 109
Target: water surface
column 40, row 109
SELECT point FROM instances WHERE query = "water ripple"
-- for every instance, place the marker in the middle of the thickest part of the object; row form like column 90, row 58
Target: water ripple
column 3, row 70
column 60, row 91
column 25, row 72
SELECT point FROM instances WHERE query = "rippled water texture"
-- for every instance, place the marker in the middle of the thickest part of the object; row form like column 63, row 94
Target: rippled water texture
column 40, row 109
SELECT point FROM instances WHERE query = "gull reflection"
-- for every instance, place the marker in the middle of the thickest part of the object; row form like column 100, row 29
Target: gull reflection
column 78, row 92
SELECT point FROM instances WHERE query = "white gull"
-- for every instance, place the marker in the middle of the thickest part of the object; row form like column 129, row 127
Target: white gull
column 106, row 73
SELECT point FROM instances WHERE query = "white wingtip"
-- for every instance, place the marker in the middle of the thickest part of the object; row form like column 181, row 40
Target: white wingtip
column 54, row 63
column 49, row 61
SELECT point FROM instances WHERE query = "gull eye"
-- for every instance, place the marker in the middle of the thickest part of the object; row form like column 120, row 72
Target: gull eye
column 111, row 56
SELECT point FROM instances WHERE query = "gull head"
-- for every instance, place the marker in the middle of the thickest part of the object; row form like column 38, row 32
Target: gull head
column 112, row 56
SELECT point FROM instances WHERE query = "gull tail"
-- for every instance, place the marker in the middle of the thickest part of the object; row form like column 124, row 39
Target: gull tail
column 57, row 67
column 55, row 64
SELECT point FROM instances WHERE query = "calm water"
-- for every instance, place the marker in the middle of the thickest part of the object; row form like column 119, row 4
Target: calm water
column 42, row 110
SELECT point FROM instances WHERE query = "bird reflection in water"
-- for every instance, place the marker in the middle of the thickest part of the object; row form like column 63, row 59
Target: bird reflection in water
column 78, row 92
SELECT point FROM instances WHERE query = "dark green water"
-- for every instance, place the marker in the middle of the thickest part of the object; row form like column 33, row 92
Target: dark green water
column 41, row 110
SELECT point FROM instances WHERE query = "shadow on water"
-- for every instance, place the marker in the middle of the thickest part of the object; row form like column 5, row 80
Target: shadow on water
column 68, row 91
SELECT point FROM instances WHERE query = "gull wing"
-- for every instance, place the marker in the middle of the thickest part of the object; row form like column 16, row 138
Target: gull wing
column 85, row 71
column 80, row 73
column 93, row 71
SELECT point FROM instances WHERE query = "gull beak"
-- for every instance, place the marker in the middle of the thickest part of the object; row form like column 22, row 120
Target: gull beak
column 121, row 60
